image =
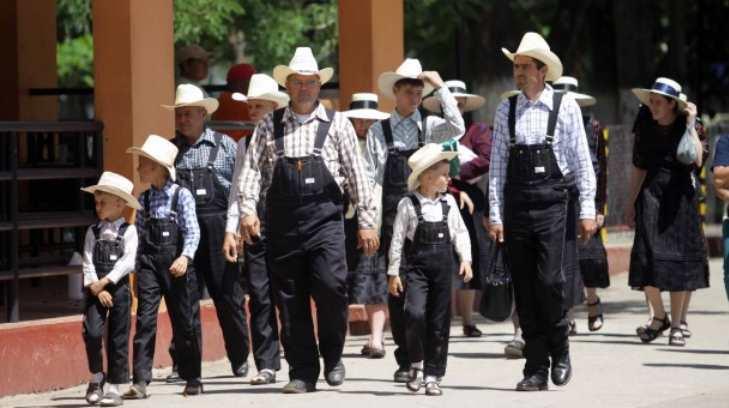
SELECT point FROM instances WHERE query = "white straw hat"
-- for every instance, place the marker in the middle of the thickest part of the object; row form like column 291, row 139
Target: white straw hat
column 263, row 87
column 458, row 89
column 303, row 63
column 533, row 45
column 364, row 106
column 570, row 84
column 116, row 185
column 410, row 68
column 159, row 150
column 424, row 158
column 191, row 95
column 663, row 86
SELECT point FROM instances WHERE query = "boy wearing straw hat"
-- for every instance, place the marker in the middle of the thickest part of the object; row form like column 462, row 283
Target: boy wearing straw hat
column 110, row 249
column 300, row 161
column 169, row 236
column 428, row 227
column 389, row 144
column 262, row 98
column 204, row 166
column 540, row 162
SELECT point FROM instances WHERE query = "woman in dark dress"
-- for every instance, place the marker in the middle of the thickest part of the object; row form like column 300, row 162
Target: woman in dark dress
column 669, row 251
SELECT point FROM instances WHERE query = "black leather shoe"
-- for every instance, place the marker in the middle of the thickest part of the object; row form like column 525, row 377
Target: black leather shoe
column 561, row 370
column 534, row 382
column 241, row 371
column 194, row 387
column 299, row 387
column 402, row 375
column 335, row 375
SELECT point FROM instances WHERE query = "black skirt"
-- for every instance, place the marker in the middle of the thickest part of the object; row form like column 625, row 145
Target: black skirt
column 367, row 284
column 593, row 262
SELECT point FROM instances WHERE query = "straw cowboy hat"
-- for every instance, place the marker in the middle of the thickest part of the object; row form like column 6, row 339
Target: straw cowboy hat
column 570, row 84
column 364, row 106
column 663, row 86
column 263, row 87
column 410, row 68
column 192, row 51
column 191, row 95
column 533, row 45
column 458, row 89
column 302, row 63
column 424, row 158
column 116, row 185
column 159, row 150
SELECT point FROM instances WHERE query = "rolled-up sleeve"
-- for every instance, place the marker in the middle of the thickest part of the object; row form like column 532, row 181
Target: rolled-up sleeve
column 451, row 125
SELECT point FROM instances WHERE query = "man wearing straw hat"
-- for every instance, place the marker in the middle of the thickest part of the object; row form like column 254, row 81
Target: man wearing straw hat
column 539, row 161
column 204, row 166
column 300, row 160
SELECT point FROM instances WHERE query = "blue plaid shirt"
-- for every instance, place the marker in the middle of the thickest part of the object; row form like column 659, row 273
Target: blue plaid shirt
column 196, row 156
column 160, row 202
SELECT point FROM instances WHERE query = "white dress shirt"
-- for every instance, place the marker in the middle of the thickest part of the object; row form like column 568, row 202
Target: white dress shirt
column 406, row 222
column 570, row 147
column 110, row 231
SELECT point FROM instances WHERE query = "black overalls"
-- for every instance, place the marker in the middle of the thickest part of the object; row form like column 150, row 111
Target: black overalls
column 431, row 264
column 539, row 231
column 394, row 188
column 105, row 255
column 306, row 254
column 161, row 243
column 221, row 277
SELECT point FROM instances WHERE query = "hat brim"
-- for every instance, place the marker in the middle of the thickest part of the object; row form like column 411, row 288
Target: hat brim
column 644, row 95
column 282, row 72
column 368, row 114
column 413, row 182
column 210, row 105
column 279, row 98
column 550, row 59
column 386, row 81
column 139, row 151
column 584, row 100
column 473, row 102
column 128, row 198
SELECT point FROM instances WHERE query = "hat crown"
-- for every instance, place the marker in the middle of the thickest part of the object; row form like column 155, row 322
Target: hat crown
column 410, row 68
column 188, row 93
column 365, row 96
column 455, row 83
column 424, row 155
column 261, row 84
column 668, row 82
column 532, row 41
column 161, row 149
column 117, row 181
column 304, row 61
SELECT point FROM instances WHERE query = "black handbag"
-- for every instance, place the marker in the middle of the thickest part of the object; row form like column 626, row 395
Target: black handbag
column 497, row 296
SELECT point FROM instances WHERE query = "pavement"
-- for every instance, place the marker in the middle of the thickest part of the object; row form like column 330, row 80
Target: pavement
column 611, row 369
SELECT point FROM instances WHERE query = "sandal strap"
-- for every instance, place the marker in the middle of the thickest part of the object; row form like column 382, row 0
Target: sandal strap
column 597, row 302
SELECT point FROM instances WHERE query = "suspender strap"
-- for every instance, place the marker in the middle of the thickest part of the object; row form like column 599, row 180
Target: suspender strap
column 552, row 123
column 416, row 206
column 512, row 120
column 387, row 131
column 446, row 208
column 278, row 130
column 214, row 152
column 145, row 199
column 122, row 231
column 95, row 229
column 322, row 131
column 175, row 199
column 421, row 135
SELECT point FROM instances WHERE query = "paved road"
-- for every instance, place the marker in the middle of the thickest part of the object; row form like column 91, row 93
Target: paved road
column 612, row 369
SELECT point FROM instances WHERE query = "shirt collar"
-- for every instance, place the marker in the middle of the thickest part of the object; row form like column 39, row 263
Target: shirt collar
column 207, row 136
column 545, row 98
column 116, row 224
column 320, row 112
column 166, row 189
column 396, row 118
column 424, row 199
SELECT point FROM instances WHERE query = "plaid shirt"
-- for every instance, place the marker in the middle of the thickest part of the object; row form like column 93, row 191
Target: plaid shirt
column 160, row 202
column 233, row 216
column 196, row 156
column 405, row 132
column 570, row 147
column 340, row 154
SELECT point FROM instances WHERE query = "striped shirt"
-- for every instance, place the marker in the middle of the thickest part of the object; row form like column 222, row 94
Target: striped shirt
column 340, row 155
column 570, row 147
column 405, row 132
column 160, row 202
column 196, row 156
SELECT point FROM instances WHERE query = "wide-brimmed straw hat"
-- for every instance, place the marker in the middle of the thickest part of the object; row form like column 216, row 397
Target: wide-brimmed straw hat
column 535, row 46
column 570, row 84
column 159, row 150
column 424, row 158
column 458, row 89
column 410, row 68
column 191, row 95
column 663, row 86
column 302, row 63
column 116, row 185
column 364, row 106
column 263, row 87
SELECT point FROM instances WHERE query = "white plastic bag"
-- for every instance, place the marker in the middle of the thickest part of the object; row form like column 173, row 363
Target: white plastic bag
column 687, row 151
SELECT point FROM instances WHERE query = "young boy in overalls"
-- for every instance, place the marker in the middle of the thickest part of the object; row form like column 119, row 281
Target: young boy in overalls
column 169, row 235
column 110, row 249
column 428, row 228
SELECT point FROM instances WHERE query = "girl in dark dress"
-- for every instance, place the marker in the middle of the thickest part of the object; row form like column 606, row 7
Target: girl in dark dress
column 669, row 251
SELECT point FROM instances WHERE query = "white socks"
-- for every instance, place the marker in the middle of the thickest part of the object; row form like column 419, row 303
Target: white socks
column 113, row 389
column 97, row 378
column 418, row 365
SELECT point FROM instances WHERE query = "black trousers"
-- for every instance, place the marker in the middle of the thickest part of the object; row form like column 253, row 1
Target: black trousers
column 396, row 312
column 264, row 327
column 306, row 254
column 181, row 295
column 97, row 320
column 535, row 244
